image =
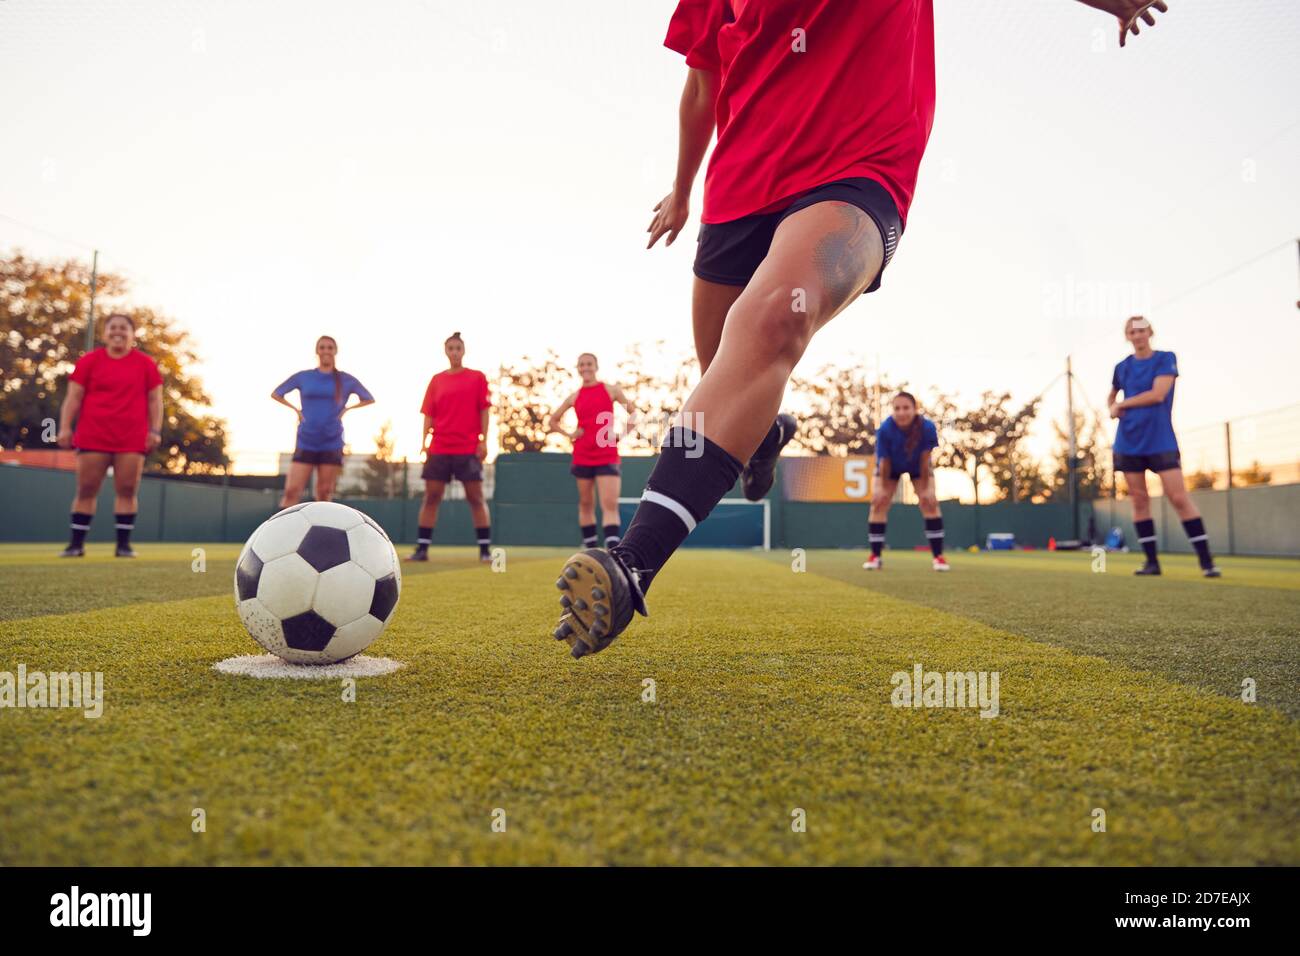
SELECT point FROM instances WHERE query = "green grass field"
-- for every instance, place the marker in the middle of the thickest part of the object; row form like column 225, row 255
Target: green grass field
column 772, row 692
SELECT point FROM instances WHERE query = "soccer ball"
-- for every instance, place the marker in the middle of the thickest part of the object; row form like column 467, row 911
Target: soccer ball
column 317, row 583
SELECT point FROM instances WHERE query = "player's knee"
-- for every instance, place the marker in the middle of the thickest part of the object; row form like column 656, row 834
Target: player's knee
column 879, row 502
column 778, row 325
column 928, row 501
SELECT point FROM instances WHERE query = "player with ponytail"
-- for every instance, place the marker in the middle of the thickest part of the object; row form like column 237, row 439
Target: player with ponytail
column 903, row 444
column 595, row 450
column 323, row 394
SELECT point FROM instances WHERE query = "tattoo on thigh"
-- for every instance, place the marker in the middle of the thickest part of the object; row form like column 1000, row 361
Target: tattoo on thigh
column 845, row 258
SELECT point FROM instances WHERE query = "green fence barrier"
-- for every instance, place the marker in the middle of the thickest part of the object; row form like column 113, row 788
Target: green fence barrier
column 536, row 500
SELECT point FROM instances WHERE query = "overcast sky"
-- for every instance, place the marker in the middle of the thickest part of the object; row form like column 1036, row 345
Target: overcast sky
column 391, row 172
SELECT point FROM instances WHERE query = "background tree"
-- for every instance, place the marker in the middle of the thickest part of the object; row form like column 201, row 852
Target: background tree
column 382, row 477
column 1254, row 475
column 981, row 436
column 1018, row 476
column 526, row 393
column 1092, row 469
column 43, row 308
column 658, row 380
column 839, row 410
column 1202, row 480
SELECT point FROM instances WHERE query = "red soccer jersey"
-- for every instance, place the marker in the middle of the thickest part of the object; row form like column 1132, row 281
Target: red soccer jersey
column 598, row 443
column 454, row 400
column 810, row 91
column 114, row 414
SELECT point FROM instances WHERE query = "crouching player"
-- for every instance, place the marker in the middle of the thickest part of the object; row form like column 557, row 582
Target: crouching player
column 1145, row 441
column 903, row 445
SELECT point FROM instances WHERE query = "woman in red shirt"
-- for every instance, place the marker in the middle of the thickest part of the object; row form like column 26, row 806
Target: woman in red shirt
column 115, row 397
column 822, row 110
column 595, row 450
column 456, row 409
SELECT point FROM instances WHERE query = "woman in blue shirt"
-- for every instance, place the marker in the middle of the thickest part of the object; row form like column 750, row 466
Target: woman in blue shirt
column 1145, row 442
column 323, row 394
column 904, row 441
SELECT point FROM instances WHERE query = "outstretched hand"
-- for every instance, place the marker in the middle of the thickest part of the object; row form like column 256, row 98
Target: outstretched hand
column 671, row 214
column 1130, row 13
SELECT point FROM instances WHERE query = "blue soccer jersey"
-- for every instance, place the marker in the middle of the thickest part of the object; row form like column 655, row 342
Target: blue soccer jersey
column 891, row 442
column 321, row 428
column 1148, row 429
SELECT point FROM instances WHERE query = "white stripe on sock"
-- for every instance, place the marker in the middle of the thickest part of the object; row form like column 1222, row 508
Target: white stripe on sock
column 1199, row 537
column 424, row 541
column 676, row 507
column 1145, row 540
column 934, row 534
column 81, row 527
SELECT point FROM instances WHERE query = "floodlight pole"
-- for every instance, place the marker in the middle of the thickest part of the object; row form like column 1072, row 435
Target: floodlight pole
column 1074, row 448
column 90, row 319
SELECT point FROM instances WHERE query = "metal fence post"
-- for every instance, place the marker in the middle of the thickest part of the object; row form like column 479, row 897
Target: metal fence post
column 1227, row 441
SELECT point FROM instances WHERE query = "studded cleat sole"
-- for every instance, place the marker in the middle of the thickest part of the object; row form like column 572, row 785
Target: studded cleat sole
column 598, row 596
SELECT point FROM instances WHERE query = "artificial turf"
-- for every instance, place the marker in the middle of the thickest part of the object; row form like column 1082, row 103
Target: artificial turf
column 772, row 693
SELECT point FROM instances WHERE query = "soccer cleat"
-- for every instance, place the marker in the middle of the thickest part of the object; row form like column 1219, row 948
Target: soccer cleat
column 941, row 564
column 872, row 563
column 1211, row 572
column 419, row 554
column 756, row 480
column 73, row 552
column 485, row 557
column 599, row 593
column 1151, row 568
column 124, row 551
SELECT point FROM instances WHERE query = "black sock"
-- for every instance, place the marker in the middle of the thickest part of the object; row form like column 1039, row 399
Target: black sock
column 681, row 491
column 80, row 524
column 125, row 524
column 934, row 534
column 1195, row 529
column 613, row 535
column 589, row 538
column 1146, row 531
column 484, row 535
column 424, row 537
column 770, row 446
column 876, row 537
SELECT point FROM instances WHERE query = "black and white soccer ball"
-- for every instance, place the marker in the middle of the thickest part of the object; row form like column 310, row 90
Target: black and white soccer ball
column 317, row 583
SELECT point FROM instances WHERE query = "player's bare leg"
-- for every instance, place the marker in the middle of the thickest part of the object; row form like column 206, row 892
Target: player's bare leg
column 929, row 503
column 882, row 496
column 710, row 303
column 433, row 495
column 327, row 478
column 820, row 260
column 92, row 466
column 1175, row 489
column 478, row 510
column 128, row 467
column 1140, row 499
column 295, row 483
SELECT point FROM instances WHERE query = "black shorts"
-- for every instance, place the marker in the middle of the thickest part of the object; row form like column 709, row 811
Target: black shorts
column 446, row 467
column 1160, row 461
column 729, row 253
column 303, row 457
column 593, row 471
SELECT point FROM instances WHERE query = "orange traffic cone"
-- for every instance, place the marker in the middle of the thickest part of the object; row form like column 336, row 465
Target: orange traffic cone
column 1051, row 544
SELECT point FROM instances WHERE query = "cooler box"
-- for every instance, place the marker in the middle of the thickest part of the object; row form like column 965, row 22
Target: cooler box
column 1001, row 541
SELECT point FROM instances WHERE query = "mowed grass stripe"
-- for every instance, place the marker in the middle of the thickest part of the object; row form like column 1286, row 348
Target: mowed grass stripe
column 37, row 582
column 1239, row 572
column 1180, row 626
column 772, row 694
